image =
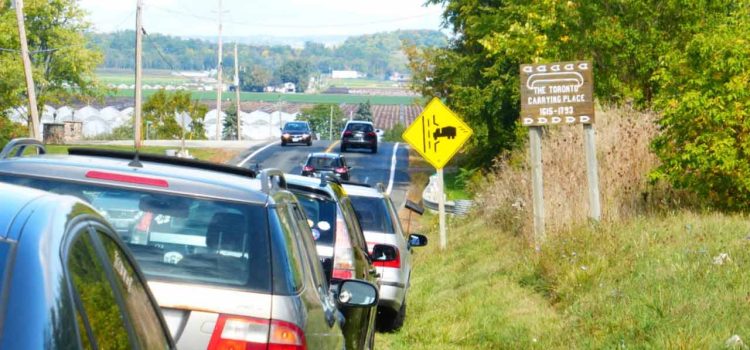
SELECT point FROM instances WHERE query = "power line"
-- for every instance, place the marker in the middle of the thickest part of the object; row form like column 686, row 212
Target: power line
column 290, row 26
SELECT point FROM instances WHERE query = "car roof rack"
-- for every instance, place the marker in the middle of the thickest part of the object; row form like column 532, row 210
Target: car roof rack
column 157, row 158
column 19, row 145
column 272, row 180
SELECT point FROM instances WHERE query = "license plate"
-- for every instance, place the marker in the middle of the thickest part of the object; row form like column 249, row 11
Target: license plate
column 295, row 139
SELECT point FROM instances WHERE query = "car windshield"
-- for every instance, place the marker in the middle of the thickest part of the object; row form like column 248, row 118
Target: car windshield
column 373, row 214
column 295, row 127
column 321, row 214
column 359, row 127
column 324, row 162
column 180, row 238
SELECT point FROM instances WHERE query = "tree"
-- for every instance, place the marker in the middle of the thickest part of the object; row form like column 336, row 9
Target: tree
column 478, row 73
column 255, row 79
column 63, row 65
column 10, row 130
column 229, row 124
column 364, row 112
column 319, row 117
column 161, row 108
column 295, row 71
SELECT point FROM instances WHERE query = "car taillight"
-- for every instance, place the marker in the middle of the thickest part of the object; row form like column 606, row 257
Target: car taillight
column 384, row 255
column 371, row 134
column 145, row 223
column 248, row 333
column 341, row 170
column 348, row 133
column 343, row 254
column 308, row 168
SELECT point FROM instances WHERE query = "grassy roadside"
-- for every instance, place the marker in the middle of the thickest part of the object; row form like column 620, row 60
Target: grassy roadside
column 217, row 155
column 648, row 283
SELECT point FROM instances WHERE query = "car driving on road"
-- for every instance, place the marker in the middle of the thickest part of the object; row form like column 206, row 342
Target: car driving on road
column 341, row 247
column 326, row 163
column 390, row 248
column 67, row 281
column 359, row 134
column 229, row 258
column 296, row 132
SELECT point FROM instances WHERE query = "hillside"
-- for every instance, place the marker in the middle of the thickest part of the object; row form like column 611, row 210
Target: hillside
column 375, row 54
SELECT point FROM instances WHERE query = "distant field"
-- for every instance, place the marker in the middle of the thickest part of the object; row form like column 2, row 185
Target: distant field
column 361, row 83
column 295, row 98
column 150, row 77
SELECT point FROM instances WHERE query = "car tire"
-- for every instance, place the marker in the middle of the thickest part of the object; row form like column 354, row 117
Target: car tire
column 283, row 143
column 309, row 143
column 392, row 321
column 342, row 149
column 374, row 149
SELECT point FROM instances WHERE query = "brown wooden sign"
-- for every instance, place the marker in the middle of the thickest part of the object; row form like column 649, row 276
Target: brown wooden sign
column 557, row 93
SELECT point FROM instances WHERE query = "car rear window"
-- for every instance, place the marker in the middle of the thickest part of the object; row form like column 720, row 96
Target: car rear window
column 295, row 127
column 359, row 127
column 181, row 238
column 324, row 162
column 373, row 214
column 322, row 215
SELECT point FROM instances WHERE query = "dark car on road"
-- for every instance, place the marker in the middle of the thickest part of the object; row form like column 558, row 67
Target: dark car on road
column 67, row 281
column 341, row 247
column 296, row 132
column 359, row 134
column 229, row 257
column 334, row 164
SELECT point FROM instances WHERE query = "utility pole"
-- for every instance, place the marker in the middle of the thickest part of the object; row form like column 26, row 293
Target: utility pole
column 219, row 83
column 138, row 73
column 330, row 124
column 30, row 89
column 237, row 90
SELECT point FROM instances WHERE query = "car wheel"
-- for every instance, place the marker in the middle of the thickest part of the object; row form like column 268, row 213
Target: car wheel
column 375, row 149
column 283, row 143
column 309, row 143
column 391, row 321
column 342, row 149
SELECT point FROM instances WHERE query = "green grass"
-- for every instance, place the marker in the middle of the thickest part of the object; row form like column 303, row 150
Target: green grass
column 295, row 98
column 647, row 284
column 454, row 188
column 150, row 77
column 360, row 83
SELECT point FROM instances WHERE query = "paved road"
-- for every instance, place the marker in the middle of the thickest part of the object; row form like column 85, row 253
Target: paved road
column 367, row 168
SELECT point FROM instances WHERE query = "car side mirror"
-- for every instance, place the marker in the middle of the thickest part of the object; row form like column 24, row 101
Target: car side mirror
column 384, row 253
column 356, row 293
column 414, row 207
column 417, row 240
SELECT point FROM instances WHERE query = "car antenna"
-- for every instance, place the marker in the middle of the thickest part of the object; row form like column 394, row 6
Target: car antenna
column 136, row 163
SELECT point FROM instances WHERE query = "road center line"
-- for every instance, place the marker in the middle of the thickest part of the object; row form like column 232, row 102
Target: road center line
column 393, row 169
column 331, row 147
column 242, row 163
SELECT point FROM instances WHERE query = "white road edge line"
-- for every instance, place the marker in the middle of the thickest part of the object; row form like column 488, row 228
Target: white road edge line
column 393, row 170
column 242, row 163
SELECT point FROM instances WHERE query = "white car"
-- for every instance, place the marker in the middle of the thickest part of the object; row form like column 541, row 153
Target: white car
column 389, row 248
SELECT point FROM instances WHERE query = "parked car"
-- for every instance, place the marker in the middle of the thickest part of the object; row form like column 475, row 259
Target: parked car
column 359, row 134
column 67, row 281
column 391, row 250
column 296, row 132
column 229, row 258
column 341, row 247
column 326, row 163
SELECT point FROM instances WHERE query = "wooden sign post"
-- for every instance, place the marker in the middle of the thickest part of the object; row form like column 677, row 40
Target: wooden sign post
column 558, row 94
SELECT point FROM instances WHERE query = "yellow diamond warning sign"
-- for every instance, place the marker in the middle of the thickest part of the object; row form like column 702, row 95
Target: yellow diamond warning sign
column 437, row 134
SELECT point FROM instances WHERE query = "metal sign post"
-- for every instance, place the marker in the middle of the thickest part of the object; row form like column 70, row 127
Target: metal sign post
column 437, row 134
column 558, row 94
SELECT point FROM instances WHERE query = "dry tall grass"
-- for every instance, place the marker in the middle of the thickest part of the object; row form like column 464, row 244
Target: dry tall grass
column 622, row 139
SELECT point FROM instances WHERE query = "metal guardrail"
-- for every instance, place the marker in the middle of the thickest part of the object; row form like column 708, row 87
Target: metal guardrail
column 459, row 207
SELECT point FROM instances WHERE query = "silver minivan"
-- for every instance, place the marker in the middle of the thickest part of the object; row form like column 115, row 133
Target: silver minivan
column 229, row 258
column 389, row 248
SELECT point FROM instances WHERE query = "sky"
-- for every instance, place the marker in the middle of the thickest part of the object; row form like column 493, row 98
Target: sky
column 280, row 18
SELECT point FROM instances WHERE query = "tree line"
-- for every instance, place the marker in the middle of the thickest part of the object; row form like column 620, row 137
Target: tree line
column 377, row 54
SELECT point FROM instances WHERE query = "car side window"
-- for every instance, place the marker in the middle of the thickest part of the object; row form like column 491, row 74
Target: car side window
column 353, row 223
column 293, row 249
column 100, row 318
column 141, row 309
column 308, row 245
